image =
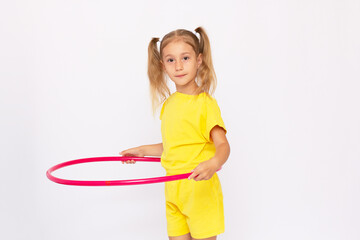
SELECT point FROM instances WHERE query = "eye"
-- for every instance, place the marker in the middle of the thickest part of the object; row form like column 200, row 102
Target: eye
column 186, row 58
column 170, row 60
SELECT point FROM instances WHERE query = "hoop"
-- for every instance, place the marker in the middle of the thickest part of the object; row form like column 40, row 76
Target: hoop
column 111, row 182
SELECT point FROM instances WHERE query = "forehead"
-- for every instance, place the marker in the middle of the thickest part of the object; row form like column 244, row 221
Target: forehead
column 177, row 47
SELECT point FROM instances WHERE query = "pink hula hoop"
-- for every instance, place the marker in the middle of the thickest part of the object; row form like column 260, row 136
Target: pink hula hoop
column 111, row 182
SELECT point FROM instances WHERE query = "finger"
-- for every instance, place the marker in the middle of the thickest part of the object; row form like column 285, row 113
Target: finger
column 198, row 178
column 128, row 154
column 192, row 175
column 204, row 176
column 124, row 153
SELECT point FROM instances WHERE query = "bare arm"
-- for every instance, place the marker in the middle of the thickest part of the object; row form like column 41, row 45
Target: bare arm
column 205, row 170
column 144, row 150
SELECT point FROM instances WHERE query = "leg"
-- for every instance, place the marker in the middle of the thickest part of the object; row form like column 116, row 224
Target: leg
column 183, row 237
column 210, row 238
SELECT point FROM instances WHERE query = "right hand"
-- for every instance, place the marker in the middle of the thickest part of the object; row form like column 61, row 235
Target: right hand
column 132, row 152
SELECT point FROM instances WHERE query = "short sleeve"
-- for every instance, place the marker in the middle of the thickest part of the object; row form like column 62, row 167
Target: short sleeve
column 162, row 110
column 212, row 116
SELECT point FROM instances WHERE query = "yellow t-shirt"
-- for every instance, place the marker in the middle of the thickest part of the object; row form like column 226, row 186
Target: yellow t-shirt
column 186, row 122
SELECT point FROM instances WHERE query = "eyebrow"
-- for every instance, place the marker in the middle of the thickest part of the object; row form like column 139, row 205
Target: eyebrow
column 184, row 53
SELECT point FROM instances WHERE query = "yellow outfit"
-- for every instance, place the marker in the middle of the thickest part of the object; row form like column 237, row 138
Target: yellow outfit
column 191, row 206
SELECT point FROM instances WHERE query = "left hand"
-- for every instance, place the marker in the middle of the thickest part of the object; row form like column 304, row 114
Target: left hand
column 205, row 170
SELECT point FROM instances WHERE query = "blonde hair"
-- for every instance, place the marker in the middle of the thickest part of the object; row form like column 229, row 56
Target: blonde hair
column 206, row 78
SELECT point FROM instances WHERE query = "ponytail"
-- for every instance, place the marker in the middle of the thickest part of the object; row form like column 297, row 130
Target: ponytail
column 206, row 72
column 158, row 88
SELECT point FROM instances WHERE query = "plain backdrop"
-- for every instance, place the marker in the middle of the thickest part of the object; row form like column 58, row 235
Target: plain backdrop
column 74, row 85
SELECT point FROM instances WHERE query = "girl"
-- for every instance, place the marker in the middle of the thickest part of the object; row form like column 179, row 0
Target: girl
column 193, row 134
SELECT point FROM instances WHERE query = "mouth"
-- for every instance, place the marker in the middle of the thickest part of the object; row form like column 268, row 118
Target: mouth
column 179, row 76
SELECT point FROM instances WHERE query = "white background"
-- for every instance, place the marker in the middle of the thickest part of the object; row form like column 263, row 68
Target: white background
column 74, row 85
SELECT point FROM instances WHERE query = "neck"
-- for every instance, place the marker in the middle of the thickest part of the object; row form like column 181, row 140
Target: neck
column 187, row 89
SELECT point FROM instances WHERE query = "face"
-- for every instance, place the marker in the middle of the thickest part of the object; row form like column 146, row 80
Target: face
column 181, row 64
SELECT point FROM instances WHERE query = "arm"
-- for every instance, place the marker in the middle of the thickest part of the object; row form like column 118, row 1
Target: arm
column 205, row 170
column 144, row 150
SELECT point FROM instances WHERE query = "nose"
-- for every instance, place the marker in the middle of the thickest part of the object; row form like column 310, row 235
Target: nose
column 179, row 66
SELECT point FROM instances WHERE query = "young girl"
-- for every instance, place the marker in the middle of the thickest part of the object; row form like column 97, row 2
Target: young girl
column 193, row 134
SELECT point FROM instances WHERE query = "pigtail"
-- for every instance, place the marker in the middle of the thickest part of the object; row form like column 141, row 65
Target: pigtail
column 206, row 72
column 158, row 88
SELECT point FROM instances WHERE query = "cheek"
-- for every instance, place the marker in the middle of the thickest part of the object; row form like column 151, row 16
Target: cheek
column 167, row 68
column 195, row 67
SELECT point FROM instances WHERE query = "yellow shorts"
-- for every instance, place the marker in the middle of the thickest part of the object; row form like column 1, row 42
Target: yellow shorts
column 195, row 207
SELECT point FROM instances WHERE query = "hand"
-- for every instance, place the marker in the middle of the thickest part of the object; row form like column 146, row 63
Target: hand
column 205, row 170
column 132, row 152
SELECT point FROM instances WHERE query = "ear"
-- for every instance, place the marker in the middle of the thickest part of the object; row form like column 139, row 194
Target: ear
column 199, row 60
